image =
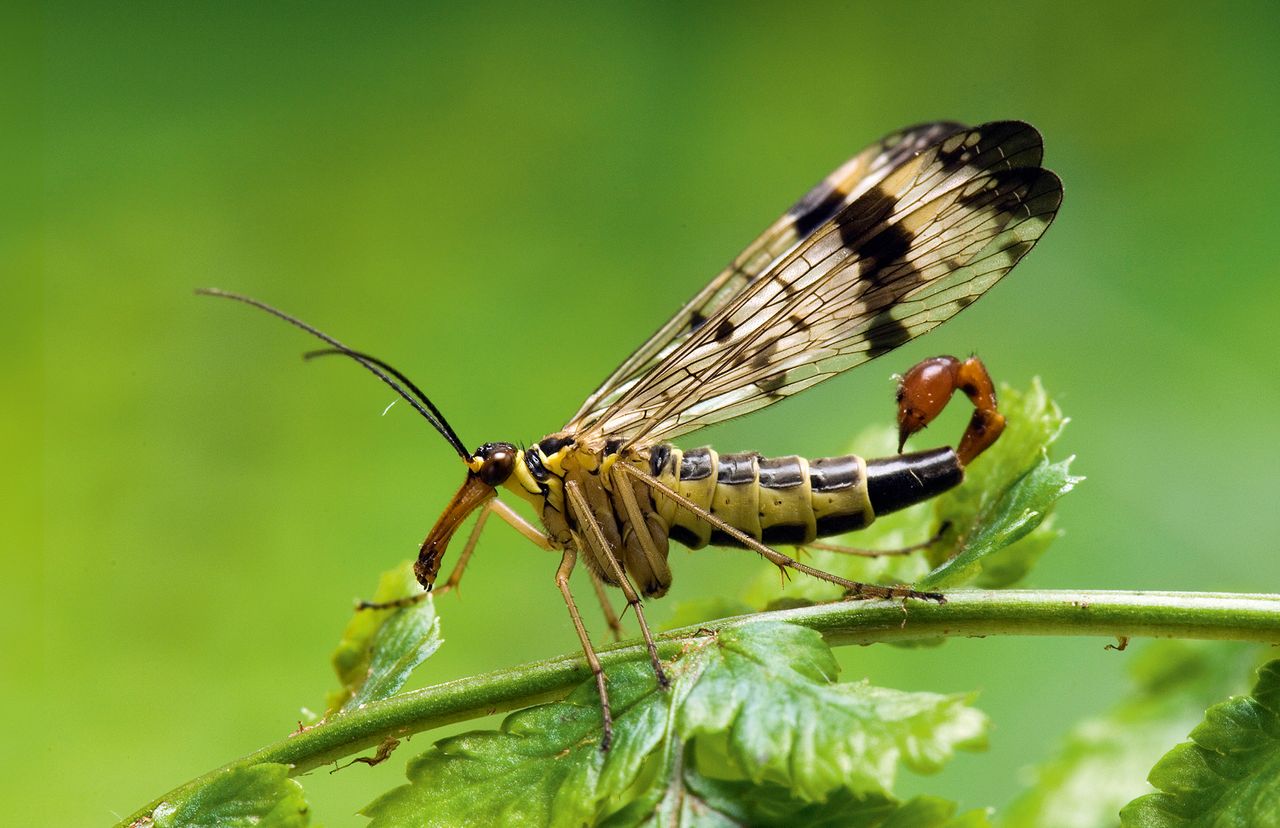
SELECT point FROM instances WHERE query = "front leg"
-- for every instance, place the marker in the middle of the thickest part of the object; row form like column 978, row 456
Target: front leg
column 494, row 506
column 593, row 661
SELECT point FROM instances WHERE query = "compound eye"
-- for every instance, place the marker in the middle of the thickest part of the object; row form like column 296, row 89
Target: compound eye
column 498, row 466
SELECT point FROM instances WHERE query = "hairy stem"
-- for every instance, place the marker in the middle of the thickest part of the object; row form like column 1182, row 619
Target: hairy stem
column 1198, row 615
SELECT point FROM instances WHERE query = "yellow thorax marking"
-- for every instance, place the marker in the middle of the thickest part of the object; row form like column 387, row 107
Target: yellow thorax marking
column 555, row 462
column 523, row 478
column 606, row 466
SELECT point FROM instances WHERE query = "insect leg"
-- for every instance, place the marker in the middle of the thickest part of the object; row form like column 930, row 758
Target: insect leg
column 853, row 589
column 399, row 603
column 841, row 549
column 640, row 526
column 511, row 516
column 610, row 617
column 455, row 577
column 595, row 536
column 562, row 581
column 524, row 527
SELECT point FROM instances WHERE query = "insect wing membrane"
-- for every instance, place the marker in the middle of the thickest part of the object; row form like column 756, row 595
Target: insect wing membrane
column 926, row 239
column 811, row 212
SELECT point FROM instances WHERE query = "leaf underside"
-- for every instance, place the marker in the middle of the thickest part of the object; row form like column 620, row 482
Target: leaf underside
column 754, row 710
column 381, row 648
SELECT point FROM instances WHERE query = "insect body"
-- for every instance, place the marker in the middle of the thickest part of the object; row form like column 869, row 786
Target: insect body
column 775, row 501
column 894, row 242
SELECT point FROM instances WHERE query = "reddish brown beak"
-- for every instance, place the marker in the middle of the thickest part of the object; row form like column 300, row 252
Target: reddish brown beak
column 470, row 497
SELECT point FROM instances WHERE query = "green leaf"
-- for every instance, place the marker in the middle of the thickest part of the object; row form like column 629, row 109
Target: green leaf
column 935, row 813
column 257, row 795
column 1019, row 510
column 406, row 640
column 1102, row 761
column 1010, row 565
column 717, row 802
column 997, row 518
column 757, row 703
column 768, row 702
column 544, row 767
column 381, row 648
column 691, row 799
column 1228, row 774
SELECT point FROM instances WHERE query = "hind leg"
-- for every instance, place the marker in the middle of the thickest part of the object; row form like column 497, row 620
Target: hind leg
column 841, row 549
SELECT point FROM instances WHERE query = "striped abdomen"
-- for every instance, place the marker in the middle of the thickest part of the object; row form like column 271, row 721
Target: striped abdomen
column 792, row 500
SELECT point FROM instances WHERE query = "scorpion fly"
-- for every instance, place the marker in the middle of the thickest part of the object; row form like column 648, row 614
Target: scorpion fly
column 897, row 240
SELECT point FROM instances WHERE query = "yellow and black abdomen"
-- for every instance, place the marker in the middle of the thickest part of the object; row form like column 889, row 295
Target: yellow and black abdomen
column 791, row 500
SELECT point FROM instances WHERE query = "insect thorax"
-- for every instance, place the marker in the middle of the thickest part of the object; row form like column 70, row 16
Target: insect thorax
column 623, row 516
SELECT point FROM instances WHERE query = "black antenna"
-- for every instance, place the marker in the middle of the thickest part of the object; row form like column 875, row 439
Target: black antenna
column 375, row 366
column 390, row 369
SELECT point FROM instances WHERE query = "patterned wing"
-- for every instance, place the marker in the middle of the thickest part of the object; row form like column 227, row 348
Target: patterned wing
column 855, row 177
column 932, row 235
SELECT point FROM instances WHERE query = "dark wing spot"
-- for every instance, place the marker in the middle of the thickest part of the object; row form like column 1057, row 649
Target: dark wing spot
column 761, row 358
column 896, row 150
column 885, row 260
column 980, row 196
column 889, row 245
column 696, row 320
column 1017, row 251
column 798, row 323
column 772, row 383
column 885, row 334
column 1004, row 189
column 724, row 330
column 953, row 154
column 816, row 208
column 864, row 215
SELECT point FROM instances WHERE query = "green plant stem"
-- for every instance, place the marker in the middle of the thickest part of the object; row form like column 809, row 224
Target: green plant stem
column 1121, row 615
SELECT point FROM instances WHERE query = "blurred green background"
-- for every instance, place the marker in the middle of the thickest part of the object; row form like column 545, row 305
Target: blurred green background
column 504, row 203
